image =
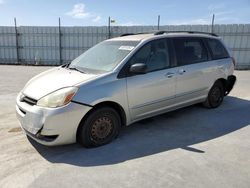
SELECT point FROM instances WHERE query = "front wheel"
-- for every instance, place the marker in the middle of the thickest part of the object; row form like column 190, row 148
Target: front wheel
column 215, row 96
column 101, row 127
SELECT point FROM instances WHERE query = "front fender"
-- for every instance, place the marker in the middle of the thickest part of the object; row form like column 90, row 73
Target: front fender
column 105, row 89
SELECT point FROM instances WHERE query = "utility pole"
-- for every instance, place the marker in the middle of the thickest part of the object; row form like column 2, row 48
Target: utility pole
column 109, row 26
column 158, row 26
column 212, row 27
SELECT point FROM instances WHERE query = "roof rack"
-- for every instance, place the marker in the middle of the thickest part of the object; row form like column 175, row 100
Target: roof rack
column 126, row 34
column 166, row 32
column 191, row 32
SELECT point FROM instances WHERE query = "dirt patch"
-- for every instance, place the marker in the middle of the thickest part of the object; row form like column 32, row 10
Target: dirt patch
column 15, row 130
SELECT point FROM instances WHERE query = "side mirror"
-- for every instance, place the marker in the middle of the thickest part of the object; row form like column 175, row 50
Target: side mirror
column 138, row 68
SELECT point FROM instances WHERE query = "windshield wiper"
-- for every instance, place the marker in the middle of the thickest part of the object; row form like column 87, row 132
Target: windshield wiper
column 65, row 65
column 75, row 68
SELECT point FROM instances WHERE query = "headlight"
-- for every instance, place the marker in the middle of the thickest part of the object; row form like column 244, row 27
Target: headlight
column 20, row 96
column 58, row 98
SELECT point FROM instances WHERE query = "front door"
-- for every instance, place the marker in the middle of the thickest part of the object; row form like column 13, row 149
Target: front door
column 151, row 93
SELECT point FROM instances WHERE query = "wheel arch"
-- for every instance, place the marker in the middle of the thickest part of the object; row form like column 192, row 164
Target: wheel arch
column 227, row 83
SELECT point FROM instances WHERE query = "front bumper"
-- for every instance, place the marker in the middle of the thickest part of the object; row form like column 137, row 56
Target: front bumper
column 51, row 126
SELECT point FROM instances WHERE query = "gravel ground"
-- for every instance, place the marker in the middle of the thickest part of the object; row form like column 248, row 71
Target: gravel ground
column 191, row 147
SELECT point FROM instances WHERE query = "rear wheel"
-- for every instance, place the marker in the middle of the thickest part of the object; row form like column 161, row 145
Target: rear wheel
column 100, row 127
column 215, row 96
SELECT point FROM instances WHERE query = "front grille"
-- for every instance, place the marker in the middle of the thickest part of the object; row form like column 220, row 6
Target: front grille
column 29, row 100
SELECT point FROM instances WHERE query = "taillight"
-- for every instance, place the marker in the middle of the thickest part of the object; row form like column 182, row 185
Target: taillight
column 234, row 62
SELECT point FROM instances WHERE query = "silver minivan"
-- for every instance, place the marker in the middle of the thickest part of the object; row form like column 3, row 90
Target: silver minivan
column 121, row 81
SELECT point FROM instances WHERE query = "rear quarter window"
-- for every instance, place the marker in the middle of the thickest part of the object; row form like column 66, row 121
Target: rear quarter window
column 218, row 51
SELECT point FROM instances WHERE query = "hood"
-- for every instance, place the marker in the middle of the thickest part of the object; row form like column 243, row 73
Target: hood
column 54, row 79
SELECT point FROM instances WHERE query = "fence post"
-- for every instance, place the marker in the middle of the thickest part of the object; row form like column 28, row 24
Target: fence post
column 158, row 26
column 17, row 46
column 212, row 27
column 109, row 32
column 60, row 41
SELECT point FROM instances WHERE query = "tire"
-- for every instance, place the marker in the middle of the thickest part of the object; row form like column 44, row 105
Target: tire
column 100, row 127
column 215, row 96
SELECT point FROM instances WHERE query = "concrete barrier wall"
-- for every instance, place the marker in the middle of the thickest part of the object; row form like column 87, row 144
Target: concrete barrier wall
column 54, row 46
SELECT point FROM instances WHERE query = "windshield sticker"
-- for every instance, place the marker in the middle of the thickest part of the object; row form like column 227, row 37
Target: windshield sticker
column 129, row 48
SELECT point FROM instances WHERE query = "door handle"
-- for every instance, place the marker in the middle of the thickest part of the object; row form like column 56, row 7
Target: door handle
column 181, row 71
column 169, row 75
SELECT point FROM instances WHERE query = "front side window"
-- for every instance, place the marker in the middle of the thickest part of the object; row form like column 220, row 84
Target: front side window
column 189, row 51
column 217, row 49
column 103, row 57
column 154, row 54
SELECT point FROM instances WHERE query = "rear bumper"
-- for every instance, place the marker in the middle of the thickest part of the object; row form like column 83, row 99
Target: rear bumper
column 51, row 126
column 230, row 83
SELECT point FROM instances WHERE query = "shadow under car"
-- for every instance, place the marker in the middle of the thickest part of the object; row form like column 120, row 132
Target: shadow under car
column 178, row 129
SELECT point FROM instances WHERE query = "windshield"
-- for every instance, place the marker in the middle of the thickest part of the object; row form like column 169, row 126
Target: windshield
column 103, row 57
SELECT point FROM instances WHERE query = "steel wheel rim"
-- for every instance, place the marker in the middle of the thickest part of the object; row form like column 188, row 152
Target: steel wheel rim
column 101, row 129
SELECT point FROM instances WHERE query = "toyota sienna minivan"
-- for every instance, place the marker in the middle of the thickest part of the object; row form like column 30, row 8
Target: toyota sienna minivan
column 121, row 81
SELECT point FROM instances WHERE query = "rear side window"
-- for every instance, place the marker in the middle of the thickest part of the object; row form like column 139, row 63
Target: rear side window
column 189, row 51
column 217, row 49
column 154, row 54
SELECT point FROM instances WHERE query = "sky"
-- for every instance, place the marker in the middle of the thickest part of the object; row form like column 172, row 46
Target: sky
column 125, row 12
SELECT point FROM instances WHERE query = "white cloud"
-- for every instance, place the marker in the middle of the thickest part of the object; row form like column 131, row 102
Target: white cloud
column 78, row 11
column 222, row 16
column 222, row 13
column 131, row 23
column 215, row 7
column 96, row 19
column 200, row 21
